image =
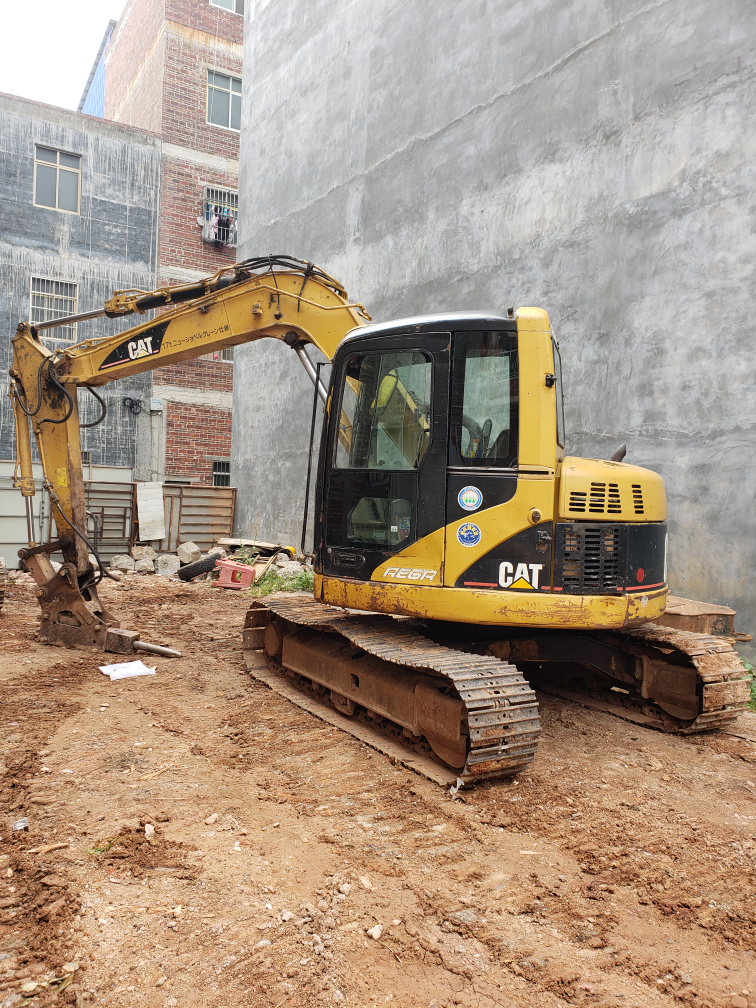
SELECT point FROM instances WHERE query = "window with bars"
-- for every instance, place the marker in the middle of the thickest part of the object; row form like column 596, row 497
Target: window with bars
column 223, row 100
column 221, row 474
column 220, row 210
column 53, row 299
column 57, row 179
column 237, row 6
column 226, row 354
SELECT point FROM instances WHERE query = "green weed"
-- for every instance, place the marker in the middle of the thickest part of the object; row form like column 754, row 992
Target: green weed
column 298, row 581
column 749, row 669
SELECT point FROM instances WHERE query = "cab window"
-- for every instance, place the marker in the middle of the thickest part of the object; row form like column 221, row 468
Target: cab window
column 384, row 422
column 484, row 402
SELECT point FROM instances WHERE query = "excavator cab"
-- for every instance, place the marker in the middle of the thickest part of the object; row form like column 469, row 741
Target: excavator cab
column 442, row 467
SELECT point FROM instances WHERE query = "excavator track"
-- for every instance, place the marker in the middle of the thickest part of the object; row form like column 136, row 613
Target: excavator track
column 499, row 711
column 720, row 689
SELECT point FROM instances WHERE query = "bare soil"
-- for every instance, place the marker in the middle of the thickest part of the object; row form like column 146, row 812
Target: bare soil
column 619, row 870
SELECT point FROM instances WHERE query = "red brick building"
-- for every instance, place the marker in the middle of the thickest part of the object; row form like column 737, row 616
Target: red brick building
column 174, row 67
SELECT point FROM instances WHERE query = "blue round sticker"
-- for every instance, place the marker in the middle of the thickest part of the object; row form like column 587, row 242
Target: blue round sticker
column 469, row 534
column 470, row 498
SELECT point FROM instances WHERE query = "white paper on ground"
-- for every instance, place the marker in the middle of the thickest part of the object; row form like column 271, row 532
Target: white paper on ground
column 151, row 511
column 125, row 670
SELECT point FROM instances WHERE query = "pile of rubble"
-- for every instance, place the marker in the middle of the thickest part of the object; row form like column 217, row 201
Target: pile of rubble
column 145, row 560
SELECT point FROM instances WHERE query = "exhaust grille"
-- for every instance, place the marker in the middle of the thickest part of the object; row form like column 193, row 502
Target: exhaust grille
column 603, row 498
column 590, row 559
column 637, row 498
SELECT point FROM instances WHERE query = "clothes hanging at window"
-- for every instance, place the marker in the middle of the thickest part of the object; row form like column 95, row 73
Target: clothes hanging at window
column 209, row 227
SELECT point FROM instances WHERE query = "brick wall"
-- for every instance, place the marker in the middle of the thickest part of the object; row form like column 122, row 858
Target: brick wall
column 156, row 78
column 180, row 236
column 192, row 434
column 189, row 53
column 203, row 374
column 215, row 21
column 134, row 66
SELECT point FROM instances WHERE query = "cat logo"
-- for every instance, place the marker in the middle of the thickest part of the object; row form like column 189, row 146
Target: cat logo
column 146, row 345
column 140, row 348
column 525, row 576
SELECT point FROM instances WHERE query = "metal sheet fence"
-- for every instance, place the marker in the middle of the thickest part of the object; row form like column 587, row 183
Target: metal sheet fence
column 200, row 514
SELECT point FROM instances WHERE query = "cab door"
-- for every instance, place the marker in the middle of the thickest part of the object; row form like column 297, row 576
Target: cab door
column 383, row 475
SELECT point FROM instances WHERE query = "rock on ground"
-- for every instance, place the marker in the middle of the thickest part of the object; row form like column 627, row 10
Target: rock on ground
column 188, row 552
column 123, row 563
column 144, row 566
column 166, row 564
column 143, row 553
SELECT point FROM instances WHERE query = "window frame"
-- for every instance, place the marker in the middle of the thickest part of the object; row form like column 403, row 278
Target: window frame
column 57, row 166
column 47, row 334
column 235, row 3
column 456, row 403
column 430, row 360
column 230, row 200
column 224, row 474
column 232, row 77
column 560, row 435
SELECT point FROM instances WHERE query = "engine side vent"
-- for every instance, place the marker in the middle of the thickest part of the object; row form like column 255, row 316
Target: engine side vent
column 577, row 501
column 590, row 559
column 597, row 498
column 614, row 504
column 637, row 498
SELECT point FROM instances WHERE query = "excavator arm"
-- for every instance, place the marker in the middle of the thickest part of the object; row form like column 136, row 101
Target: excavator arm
column 276, row 296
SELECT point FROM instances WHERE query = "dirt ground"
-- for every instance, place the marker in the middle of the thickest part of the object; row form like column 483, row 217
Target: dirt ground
column 195, row 839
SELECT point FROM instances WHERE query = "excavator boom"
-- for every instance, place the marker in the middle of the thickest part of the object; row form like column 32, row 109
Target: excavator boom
column 278, row 297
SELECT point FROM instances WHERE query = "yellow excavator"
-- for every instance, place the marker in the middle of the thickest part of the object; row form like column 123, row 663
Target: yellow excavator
column 460, row 555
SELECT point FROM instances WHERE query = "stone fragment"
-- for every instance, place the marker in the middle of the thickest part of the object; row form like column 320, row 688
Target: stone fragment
column 366, row 882
column 93, row 561
column 211, row 819
column 149, row 830
column 161, row 981
column 143, row 553
column 188, row 552
column 375, row 932
column 122, row 563
column 167, row 564
column 217, row 551
column 52, row 910
column 290, row 567
column 739, row 1002
column 116, row 574
column 287, row 915
column 144, row 567
column 345, row 888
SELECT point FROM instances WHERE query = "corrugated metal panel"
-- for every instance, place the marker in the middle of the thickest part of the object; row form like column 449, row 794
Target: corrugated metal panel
column 110, row 515
column 200, row 514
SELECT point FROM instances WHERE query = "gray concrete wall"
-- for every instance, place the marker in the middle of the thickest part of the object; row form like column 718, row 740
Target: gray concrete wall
column 111, row 244
column 594, row 157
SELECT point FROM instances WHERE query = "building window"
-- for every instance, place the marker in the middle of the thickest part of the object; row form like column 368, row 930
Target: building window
column 223, row 100
column 53, row 299
column 221, row 474
column 237, row 6
column 57, row 179
column 220, row 209
column 226, row 354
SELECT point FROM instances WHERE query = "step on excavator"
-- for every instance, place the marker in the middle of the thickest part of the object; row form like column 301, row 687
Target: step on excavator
column 460, row 555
